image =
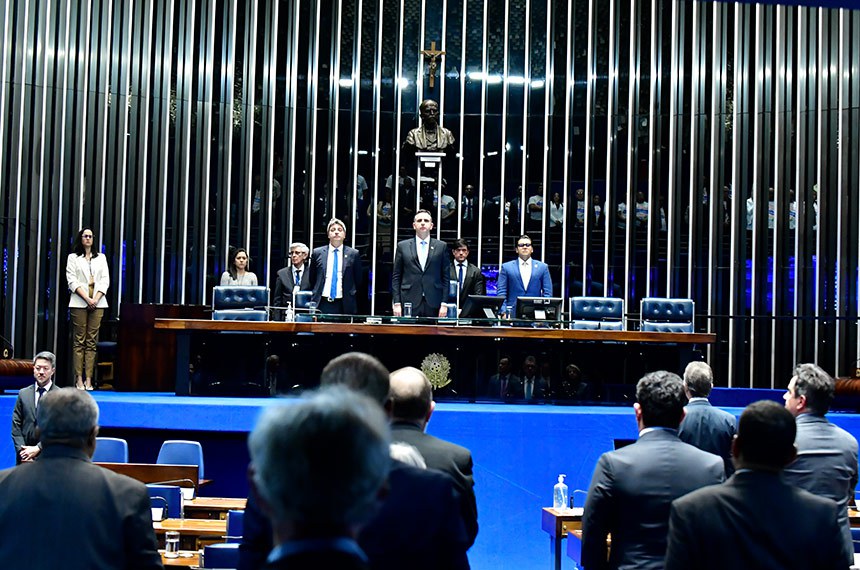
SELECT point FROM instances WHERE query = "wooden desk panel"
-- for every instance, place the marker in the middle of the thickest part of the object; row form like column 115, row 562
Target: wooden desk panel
column 558, row 524
column 187, row 559
column 179, row 475
column 212, row 507
column 194, row 534
column 434, row 330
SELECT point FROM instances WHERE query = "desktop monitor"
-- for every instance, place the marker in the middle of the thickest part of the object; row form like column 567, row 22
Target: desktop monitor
column 481, row 307
column 539, row 308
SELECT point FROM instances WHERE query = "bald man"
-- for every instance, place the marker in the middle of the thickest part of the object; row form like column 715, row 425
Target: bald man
column 411, row 402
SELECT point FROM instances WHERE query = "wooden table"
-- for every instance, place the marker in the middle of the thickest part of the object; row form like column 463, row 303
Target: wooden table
column 187, row 559
column 193, row 533
column 558, row 524
column 212, row 507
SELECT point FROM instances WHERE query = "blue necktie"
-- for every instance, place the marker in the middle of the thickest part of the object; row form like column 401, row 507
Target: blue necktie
column 298, row 277
column 461, row 276
column 333, row 292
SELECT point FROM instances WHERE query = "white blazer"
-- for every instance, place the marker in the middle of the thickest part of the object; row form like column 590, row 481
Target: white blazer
column 78, row 271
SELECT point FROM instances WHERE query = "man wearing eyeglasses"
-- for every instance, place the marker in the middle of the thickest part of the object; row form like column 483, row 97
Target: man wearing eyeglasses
column 296, row 274
column 523, row 277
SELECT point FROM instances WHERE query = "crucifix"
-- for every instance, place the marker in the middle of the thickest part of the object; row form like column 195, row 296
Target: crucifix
column 432, row 54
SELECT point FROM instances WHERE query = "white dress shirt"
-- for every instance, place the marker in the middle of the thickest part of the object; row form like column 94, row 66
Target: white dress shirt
column 526, row 271
column 328, row 274
column 423, row 250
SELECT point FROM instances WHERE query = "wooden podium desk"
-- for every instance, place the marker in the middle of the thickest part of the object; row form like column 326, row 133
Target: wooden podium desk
column 194, row 534
column 474, row 337
column 558, row 524
column 212, row 507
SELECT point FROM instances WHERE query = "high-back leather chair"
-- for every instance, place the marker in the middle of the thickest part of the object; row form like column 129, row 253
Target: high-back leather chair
column 237, row 303
column 667, row 315
column 597, row 313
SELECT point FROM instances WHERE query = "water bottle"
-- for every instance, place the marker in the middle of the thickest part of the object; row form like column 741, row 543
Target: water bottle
column 559, row 494
column 290, row 314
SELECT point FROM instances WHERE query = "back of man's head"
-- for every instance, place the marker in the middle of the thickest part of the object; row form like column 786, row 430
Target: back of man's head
column 67, row 415
column 360, row 372
column 318, row 464
column 766, row 433
column 699, row 379
column 662, row 399
column 411, row 395
column 817, row 385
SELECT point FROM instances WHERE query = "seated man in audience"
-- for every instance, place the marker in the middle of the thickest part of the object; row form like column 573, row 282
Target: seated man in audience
column 411, row 407
column 632, row 487
column 24, row 436
column 756, row 519
column 62, row 511
column 826, row 454
column 708, row 428
column 317, row 505
column 390, row 539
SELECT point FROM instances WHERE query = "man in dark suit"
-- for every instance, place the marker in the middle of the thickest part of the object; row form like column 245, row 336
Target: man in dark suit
column 468, row 275
column 532, row 386
column 504, row 384
column 756, row 519
column 708, row 428
column 826, row 462
column 523, row 277
column 64, row 512
column 297, row 274
column 411, row 407
column 389, row 539
column 24, row 437
column 317, row 505
column 336, row 271
column 632, row 487
column 420, row 274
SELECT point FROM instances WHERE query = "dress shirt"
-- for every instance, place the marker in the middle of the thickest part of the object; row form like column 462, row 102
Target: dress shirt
column 423, row 248
column 461, row 272
column 40, row 392
column 328, row 276
column 297, row 276
column 526, row 271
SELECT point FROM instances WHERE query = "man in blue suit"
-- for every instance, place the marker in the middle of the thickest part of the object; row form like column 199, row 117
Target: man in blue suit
column 524, row 276
column 336, row 272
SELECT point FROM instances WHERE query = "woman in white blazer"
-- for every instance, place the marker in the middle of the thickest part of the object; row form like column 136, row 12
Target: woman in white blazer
column 88, row 278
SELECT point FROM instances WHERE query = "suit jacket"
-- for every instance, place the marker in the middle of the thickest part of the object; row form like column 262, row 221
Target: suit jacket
column 451, row 458
column 94, row 518
column 390, row 538
column 24, row 418
column 754, row 520
column 351, row 274
column 473, row 281
column 310, row 556
column 630, row 494
column 826, row 465
column 514, row 387
column 284, row 285
column 411, row 284
column 511, row 285
column 710, row 429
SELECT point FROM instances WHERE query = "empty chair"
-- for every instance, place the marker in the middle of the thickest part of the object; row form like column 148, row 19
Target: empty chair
column 235, row 526
column 166, row 501
column 182, row 452
column 221, row 555
column 667, row 315
column 597, row 313
column 236, row 303
column 111, row 450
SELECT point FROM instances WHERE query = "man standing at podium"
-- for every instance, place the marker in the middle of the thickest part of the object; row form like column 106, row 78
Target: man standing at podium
column 420, row 274
column 336, row 272
column 468, row 276
column 523, row 277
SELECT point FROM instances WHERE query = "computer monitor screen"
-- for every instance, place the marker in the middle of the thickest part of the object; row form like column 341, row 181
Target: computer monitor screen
column 481, row 307
column 539, row 308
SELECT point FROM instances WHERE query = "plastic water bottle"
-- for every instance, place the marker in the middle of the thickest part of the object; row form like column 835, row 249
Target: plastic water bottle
column 559, row 494
column 290, row 314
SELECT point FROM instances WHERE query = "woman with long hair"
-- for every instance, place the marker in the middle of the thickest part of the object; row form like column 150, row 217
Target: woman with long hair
column 88, row 278
column 237, row 269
